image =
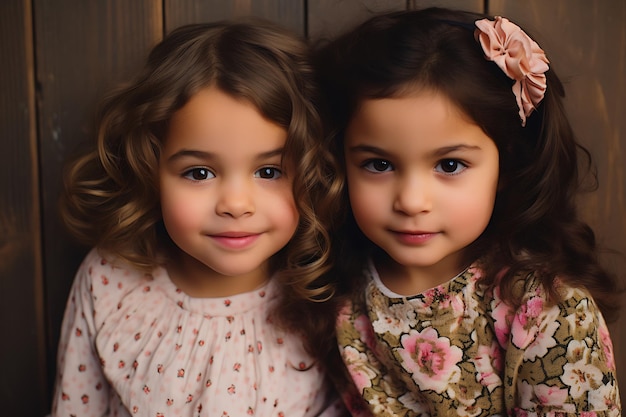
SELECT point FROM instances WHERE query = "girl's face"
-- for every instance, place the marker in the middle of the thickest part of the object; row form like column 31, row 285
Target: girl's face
column 422, row 180
column 225, row 200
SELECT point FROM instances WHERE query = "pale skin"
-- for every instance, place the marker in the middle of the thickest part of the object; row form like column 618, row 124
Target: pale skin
column 226, row 199
column 422, row 181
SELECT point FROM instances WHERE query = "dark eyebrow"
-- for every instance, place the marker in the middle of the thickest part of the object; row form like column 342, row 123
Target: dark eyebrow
column 369, row 149
column 448, row 149
column 183, row 153
column 191, row 153
column 436, row 153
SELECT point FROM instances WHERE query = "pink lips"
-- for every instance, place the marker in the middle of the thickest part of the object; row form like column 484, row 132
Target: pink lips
column 414, row 237
column 235, row 240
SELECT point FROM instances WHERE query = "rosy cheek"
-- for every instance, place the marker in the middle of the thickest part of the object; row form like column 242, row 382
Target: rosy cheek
column 181, row 211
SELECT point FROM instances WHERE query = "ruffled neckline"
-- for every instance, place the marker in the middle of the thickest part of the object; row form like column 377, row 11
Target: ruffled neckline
column 214, row 306
column 446, row 286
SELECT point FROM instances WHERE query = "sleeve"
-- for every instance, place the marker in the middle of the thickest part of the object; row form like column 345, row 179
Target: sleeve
column 81, row 389
column 359, row 378
column 560, row 358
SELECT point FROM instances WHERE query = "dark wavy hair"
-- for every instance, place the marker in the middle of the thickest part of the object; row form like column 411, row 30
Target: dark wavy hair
column 111, row 195
column 535, row 227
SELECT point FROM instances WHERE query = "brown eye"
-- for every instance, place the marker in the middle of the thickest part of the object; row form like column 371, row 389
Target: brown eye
column 450, row 166
column 377, row 165
column 198, row 174
column 268, row 173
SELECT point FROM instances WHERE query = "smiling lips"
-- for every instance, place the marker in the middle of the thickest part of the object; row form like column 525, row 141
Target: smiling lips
column 235, row 240
column 414, row 238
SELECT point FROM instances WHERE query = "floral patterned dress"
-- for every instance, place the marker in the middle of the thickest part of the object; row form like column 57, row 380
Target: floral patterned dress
column 133, row 344
column 456, row 350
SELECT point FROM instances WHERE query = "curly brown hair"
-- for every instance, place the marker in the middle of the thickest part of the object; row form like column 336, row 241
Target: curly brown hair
column 535, row 227
column 111, row 195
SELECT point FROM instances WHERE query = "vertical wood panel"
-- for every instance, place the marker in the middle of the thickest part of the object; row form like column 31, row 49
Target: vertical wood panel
column 327, row 18
column 83, row 49
column 586, row 42
column 289, row 13
column 469, row 5
column 22, row 351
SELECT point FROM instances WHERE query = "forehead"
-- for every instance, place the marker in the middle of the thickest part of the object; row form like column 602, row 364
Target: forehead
column 415, row 122
column 213, row 119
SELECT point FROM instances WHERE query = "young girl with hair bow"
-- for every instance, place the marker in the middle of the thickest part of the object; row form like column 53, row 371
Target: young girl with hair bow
column 470, row 285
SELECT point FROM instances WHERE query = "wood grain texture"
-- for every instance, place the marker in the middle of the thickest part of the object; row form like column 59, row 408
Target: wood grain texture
column 288, row 13
column 586, row 42
column 22, row 352
column 83, row 49
column 327, row 18
column 469, row 5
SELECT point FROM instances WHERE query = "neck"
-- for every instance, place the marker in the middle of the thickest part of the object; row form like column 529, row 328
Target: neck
column 199, row 281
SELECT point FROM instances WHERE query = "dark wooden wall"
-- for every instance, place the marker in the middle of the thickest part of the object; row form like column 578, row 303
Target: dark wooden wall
column 57, row 58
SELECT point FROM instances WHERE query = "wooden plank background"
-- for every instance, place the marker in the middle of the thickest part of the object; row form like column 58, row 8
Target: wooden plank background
column 59, row 58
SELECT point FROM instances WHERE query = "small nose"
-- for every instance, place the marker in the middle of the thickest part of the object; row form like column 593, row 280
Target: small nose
column 412, row 196
column 235, row 199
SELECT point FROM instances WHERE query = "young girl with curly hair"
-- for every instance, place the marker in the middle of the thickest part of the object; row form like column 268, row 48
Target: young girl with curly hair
column 200, row 294
column 471, row 285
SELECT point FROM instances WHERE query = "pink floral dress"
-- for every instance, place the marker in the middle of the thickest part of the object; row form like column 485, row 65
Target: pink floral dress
column 134, row 345
column 456, row 350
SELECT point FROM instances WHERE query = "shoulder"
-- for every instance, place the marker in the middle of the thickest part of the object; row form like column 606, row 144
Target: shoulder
column 103, row 278
column 574, row 318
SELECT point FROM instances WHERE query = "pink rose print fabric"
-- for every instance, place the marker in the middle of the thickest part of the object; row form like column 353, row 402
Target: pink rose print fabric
column 456, row 350
column 134, row 345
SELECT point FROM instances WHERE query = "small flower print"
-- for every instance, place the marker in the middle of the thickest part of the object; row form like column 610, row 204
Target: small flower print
column 358, row 366
column 180, row 373
column 581, row 377
column 544, row 395
column 526, row 322
column 607, row 346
